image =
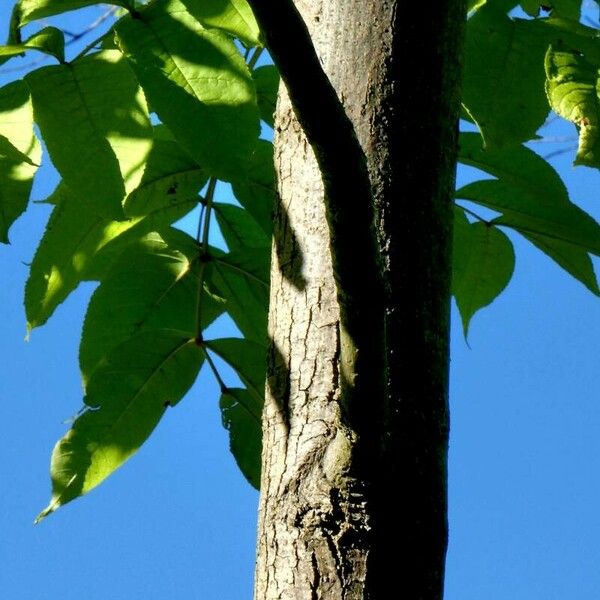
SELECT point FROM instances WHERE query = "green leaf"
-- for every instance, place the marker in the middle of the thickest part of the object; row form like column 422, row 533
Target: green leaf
column 242, row 280
column 14, row 30
column 504, row 76
column 20, row 154
column 197, row 83
column 154, row 285
column 241, row 415
column 249, row 361
column 49, row 41
column 570, row 9
column 266, row 80
column 572, row 259
column 534, row 202
column 79, row 245
column 255, row 188
column 94, row 121
column 232, row 16
column 475, row 4
column 170, row 176
column 572, row 87
column 517, row 165
column 11, row 154
column 483, row 264
column 531, row 7
column 530, row 213
column 240, row 230
column 31, row 10
column 127, row 395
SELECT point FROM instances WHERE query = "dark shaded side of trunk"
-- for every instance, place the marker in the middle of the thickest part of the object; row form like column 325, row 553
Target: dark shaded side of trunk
column 353, row 500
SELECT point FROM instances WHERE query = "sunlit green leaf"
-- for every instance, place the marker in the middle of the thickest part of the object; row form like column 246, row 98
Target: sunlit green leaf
column 241, row 414
column 49, row 41
column 233, row 16
column 154, row 285
column 80, row 245
column 483, row 264
column 31, row 10
column 170, row 175
column 197, row 82
column 20, row 154
column 94, row 121
column 474, row 4
column 127, row 395
column 267, row 85
column 572, row 87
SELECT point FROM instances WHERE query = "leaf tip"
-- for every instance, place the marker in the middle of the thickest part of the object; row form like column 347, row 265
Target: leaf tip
column 54, row 504
column 466, row 322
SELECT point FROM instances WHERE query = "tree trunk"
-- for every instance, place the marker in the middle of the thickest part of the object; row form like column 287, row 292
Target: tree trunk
column 353, row 494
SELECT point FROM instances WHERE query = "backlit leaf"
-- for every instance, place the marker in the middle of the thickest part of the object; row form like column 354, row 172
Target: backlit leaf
column 197, row 82
column 49, row 41
column 20, row 154
column 572, row 87
column 127, row 395
column 94, row 121
column 154, row 285
column 31, row 10
column 232, row 16
column 80, row 245
column 170, row 176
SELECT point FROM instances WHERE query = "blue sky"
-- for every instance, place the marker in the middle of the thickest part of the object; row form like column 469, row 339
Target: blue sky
column 178, row 520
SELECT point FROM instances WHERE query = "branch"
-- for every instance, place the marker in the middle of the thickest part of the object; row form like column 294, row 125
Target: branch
column 343, row 165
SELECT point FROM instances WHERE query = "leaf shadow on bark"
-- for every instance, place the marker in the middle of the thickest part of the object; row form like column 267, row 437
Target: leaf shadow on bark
column 278, row 382
column 288, row 249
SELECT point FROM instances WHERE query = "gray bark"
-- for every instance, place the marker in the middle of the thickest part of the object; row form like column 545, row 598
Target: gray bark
column 340, row 434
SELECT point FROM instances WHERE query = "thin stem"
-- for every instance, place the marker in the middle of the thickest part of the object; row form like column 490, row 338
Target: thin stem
column 202, row 239
column 91, row 27
column 210, row 193
column 213, row 368
column 200, row 222
column 93, row 44
column 252, row 62
column 558, row 152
